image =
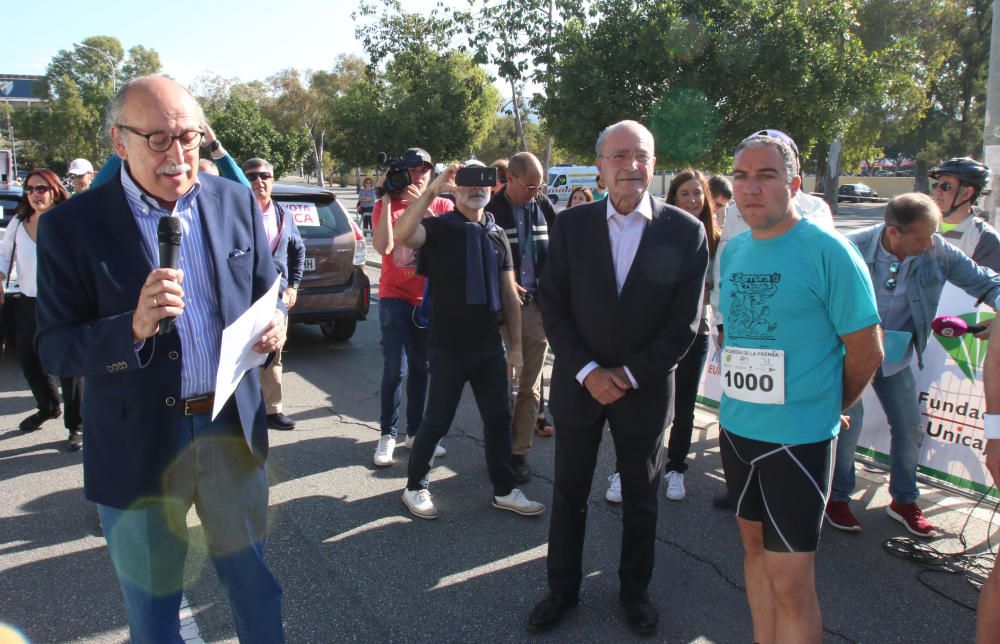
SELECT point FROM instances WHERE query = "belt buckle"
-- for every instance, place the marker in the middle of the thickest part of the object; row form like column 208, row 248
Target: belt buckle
column 195, row 400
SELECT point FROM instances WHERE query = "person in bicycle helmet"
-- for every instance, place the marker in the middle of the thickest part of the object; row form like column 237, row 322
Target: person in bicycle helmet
column 958, row 183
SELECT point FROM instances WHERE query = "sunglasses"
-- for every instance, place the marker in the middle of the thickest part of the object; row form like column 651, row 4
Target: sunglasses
column 890, row 284
column 943, row 187
column 263, row 176
column 38, row 190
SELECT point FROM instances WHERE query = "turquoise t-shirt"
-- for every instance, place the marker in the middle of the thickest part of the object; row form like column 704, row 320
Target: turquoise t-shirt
column 797, row 293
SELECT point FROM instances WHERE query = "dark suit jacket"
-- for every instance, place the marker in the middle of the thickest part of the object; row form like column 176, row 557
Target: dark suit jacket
column 504, row 217
column 91, row 266
column 290, row 252
column 648, row 328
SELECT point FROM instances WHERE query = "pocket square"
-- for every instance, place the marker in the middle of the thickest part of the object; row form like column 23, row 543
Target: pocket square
column 236, row 252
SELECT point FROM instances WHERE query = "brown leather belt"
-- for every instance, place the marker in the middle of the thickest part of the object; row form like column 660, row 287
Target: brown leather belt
column 199, row 404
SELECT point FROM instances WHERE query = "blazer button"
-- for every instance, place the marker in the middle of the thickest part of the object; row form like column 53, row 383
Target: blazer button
column 110, row 368
column 173, row 355
column 170, row 401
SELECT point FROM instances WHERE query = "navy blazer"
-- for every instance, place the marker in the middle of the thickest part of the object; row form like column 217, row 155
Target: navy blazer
column 290, row 252
column 92, row 264
column 647, row 328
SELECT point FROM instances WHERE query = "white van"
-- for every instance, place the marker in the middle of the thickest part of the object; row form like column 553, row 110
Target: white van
column 563, row 178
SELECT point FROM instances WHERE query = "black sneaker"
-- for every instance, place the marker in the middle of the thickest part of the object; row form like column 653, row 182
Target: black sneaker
column 34, row 421
column 280, row 421
column 75, row 442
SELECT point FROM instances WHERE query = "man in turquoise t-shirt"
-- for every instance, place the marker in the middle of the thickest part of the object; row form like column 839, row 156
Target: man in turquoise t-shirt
column 801, row 343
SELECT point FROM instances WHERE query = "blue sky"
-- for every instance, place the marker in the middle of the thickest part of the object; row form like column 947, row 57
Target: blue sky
column 248, row 40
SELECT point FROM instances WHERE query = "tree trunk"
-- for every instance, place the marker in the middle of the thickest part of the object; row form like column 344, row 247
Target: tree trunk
column 517, row 115
column 318, row 141
column 832, row 175
column 548, row 154
column 920, row 182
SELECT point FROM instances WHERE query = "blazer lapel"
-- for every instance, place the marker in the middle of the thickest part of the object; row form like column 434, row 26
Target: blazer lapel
column 209, row 206
column 605, row 257
column 125, row 232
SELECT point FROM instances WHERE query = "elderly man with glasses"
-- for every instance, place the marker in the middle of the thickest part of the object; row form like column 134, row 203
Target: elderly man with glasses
column 909, row 264
column 525, row 214
column 154, row 448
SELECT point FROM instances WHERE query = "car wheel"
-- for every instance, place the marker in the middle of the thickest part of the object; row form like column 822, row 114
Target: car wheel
column 338, row 331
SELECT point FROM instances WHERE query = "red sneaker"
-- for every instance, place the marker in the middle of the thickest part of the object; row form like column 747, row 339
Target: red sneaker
column 910, row 516
column 838, row 514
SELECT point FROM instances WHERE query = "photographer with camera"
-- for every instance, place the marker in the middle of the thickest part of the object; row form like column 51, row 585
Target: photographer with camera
column 468, row 261
column 404, row 344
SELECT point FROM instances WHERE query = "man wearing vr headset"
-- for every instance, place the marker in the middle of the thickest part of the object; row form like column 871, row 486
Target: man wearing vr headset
column 404, row 343
column 958, row 184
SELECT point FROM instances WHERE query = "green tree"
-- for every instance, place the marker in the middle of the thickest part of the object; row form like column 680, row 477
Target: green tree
column 248, row 133
column 77, row 85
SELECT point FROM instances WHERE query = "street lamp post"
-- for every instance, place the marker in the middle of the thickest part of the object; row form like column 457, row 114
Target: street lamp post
column 111, row 61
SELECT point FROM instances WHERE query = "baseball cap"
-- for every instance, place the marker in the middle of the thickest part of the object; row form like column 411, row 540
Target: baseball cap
column 79, row 166
column 415, row 157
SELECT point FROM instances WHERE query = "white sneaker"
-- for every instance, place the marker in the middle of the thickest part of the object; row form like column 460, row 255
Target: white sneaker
column 675, row 486
column 383, row 453
column 614, row 493
column 419, row 503
column 517, row 502
column 439, row 449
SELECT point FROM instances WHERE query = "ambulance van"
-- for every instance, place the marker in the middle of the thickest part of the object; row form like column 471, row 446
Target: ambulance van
column 563, row 178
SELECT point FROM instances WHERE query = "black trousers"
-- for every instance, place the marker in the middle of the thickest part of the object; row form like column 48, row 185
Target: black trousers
column 637, row 428
column 687, row 379
column 42, row 385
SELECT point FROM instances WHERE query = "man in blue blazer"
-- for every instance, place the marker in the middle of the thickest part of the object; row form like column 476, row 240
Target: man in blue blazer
column 153, row 449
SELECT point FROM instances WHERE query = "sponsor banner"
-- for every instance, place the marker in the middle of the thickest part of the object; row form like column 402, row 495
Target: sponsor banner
column 949, row 394
column 304, row 213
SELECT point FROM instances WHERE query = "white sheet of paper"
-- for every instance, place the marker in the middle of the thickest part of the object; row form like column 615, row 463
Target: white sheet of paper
column 237, row 355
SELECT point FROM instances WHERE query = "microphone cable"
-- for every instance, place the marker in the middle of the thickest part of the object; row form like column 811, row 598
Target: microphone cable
column 975, row 567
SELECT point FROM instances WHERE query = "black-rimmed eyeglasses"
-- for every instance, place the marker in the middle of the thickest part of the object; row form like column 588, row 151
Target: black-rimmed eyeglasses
column 161, row 141
column 891, row 283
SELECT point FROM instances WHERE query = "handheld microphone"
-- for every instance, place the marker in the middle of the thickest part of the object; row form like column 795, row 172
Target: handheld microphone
column 949, row 326
column 169, row 234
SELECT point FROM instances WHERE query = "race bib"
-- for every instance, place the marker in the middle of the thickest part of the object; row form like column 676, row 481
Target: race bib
column 754, row 375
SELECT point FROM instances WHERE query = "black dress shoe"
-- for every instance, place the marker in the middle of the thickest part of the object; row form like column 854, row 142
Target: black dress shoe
column 722, row 501
column 522, row 472
column 280, row 421
column 546, row 614
column 34, row 421
column 641, row 615
column 75, row 442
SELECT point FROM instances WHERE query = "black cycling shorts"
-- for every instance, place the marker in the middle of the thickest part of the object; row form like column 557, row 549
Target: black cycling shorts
column 784, row 487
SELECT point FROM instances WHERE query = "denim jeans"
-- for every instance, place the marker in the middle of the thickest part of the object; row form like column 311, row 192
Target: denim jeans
column 404, row 352
column 687, row 377
column 486, row 373
column 898, row 395
column 215, row 471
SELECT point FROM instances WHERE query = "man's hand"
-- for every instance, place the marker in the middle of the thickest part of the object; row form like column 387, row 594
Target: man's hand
column 993, row 459
column 161, row 297
column 845, row 423
column 274, row 335
column 289, row 297
column 604, row 386
column 720, row 339
column 409, row 194
column 985, row 333
column 3, row 278
column 515, row 362
column 621, row 378
column 444, row 182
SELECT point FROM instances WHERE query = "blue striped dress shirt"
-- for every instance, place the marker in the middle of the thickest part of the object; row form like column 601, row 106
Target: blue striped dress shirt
column 200, row 327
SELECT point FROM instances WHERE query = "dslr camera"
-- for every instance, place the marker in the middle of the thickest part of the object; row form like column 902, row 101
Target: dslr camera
column 397, row 169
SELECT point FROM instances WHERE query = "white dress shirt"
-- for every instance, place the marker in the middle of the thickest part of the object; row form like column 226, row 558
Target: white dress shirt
column 624, row 233
column 25, row 256
column 271, row 224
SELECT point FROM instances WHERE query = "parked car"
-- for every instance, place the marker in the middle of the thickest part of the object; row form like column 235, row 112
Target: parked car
column 10, row 197
column 335, row 293
column 856, row 192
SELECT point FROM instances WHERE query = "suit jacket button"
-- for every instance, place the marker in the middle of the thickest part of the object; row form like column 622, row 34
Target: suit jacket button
column 170, row 401
column 110, row 368
column 173, row 355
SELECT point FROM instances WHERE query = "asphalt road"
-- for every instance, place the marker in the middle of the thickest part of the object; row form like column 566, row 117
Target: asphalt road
column 356, row 567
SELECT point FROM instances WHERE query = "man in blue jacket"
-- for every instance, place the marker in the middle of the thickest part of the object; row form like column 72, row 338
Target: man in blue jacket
column 153, row 447
column 289, row 254
column 909, row 264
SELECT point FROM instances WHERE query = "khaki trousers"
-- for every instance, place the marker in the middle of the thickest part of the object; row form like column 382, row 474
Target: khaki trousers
column 270, row 385
column 529, row 385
